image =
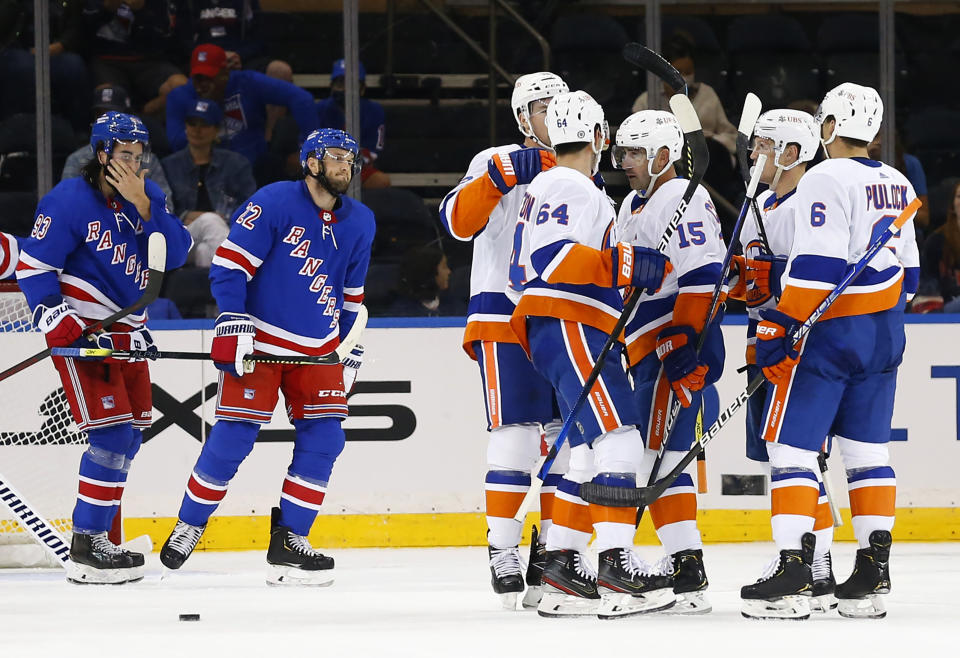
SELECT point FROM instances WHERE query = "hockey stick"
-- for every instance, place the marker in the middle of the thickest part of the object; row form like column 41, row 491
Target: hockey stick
column 156, row 264
column 602, row 494
column 714, row 301
column 644, row 58
column 690, row 124
column 327, row 359
column 751, row 107
column 45, row 534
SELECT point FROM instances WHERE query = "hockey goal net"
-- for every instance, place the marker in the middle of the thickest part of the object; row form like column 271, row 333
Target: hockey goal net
column 40, row 445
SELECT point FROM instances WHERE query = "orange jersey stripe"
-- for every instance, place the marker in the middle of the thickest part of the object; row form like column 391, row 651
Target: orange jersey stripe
column 602, row 514
column 562, row 309
column 794, row 500
column 673, row 509
column 492, row 383
column 690, row 309
column 503, row 504
column 643, row 345
column 494, row 332
column 873, row 501
column 799, row 303
column 583, row 265
column 473, row 205
column 601, row 404
column 573, row 516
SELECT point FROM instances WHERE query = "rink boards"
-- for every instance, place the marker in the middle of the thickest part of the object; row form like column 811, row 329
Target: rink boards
column 413, row 468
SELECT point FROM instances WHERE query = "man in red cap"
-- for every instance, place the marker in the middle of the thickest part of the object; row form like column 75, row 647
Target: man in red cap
column 244, row 96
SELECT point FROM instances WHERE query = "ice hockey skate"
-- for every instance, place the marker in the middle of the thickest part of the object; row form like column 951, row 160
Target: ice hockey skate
column 824, row 584
column 180, row 544
column 785, row 588
column 291, row 560
column 506, row 574
column 859, row 596
column 569, row 586
column 689, row 582
column 98, row 561
column 629, row 586
column 538, row 559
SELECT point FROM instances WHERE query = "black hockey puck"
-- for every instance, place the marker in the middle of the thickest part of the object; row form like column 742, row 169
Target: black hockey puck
column 190, row 617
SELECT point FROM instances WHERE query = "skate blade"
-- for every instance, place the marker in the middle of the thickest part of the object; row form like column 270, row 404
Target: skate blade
column 871, row 607
column 555, row 603
column 690, row 603
column 787, row 607
column 82, row 574
column 508, row 600
column 823, row 604
column 531, row 598
column 278, row 575
column 615, row 605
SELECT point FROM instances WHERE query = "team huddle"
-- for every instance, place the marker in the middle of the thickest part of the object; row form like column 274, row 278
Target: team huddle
column 554, row 261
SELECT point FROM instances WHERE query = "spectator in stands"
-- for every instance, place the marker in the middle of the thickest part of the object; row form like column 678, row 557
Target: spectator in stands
column 132, row 44
column 69, row 81
column 804, row 105
column 424, row 274
column 331, row 114
column 244, row 97
column 208, row 183
column 106, row 99
column 679, row 52
column 909, row 166
column 941, row 253
column 229, row 24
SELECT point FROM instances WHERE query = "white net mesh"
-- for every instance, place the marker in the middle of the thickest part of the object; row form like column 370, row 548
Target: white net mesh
column 31, row 459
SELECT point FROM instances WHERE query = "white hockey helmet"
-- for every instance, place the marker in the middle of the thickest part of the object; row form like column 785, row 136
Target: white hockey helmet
column 572, row 117
column 534, row 87
column 785, row 127
column 857, row 110
column 649, row 130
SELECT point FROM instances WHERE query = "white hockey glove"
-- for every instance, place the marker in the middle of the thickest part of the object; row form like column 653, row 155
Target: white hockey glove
column 232, row 340
column 351, row 365
column 128, row 341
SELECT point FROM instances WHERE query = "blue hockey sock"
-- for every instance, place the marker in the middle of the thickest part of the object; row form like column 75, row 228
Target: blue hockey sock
column 101, row 468
column 319, row 442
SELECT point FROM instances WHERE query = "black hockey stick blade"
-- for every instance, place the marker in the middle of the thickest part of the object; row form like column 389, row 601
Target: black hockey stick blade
column 156, row 264
column 642, row 57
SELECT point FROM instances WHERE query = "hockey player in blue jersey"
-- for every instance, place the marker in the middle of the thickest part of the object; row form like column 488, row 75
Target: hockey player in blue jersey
column 289, row 281
column 84, row 260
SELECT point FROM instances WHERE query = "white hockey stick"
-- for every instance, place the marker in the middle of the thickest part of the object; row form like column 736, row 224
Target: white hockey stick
column 45, row 534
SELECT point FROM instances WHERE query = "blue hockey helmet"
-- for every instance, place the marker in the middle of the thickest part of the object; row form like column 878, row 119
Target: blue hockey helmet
column 317, row 143
column 118, row 127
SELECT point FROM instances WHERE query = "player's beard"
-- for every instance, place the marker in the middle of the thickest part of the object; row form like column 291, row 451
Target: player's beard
column 337, row 186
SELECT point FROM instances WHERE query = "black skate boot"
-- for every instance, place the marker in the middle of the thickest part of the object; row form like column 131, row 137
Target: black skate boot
column 689, row 582
column 569, row 585
column 291, row 560
column 824, row 584
column 180, row 544
column 629, row 586
column 98, row 561
column 506, row 574
column 784, row 590
column 859, row 596
column 538, row 559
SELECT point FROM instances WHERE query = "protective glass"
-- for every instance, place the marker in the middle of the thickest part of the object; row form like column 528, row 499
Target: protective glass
column 348, row 158
column 618, row 153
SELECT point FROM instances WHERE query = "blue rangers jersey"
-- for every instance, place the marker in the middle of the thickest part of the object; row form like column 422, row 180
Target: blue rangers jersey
column 296, row 269
column 93, row 251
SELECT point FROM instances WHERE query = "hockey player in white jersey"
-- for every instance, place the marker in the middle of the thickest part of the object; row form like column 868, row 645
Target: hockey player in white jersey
column 662, row 333
column 842, row 379
column 483, row 209
column 570, row 303
column 790, row 140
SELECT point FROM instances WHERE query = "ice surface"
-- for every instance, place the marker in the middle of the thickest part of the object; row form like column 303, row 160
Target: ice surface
column 437, row 602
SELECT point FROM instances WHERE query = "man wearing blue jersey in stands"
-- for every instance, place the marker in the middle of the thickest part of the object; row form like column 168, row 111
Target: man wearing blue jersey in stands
column 289, row 281
column 85, row 260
